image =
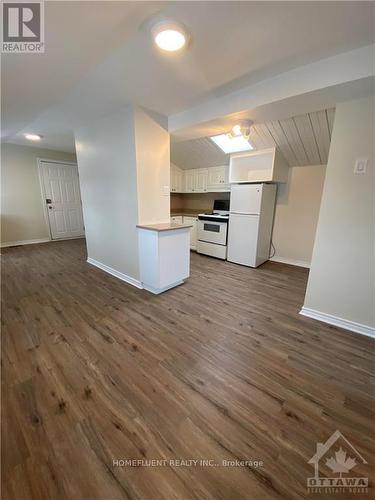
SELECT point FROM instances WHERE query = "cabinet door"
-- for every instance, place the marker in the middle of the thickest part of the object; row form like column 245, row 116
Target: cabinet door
column 176, row 219
column 176, row 180
column 173, row 188
column 179, row 181
column 193, row 231
column 201, row 176
column 189, row 181
column 217, row 178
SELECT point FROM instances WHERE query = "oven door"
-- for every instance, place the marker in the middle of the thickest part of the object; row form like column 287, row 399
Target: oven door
column 212, row 232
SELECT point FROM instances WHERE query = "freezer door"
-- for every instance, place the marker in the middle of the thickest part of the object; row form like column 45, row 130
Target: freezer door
column 246, row 198
column 243, row 239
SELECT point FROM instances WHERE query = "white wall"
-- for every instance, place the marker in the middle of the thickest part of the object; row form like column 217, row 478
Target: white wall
column 22, row 215
column 123, row 162
column 153, row 172
column 296, row 214
column 108, row 178
column 341, row 281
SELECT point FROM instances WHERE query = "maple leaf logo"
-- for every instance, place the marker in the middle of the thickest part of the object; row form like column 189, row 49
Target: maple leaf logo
column 340, row 463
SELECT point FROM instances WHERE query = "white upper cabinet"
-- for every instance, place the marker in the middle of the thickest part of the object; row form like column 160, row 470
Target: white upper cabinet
column 189, row 181
column 267, row 165
column 176, row 179
column 199, row 180
column 201, row 176
column 218, row 179
column 196, row 180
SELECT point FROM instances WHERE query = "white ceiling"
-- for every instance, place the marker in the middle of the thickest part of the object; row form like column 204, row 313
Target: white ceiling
column 99, row 58
column 303, row 140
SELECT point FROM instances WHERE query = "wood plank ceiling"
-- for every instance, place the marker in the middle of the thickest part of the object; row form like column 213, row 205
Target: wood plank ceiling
column 303, row 140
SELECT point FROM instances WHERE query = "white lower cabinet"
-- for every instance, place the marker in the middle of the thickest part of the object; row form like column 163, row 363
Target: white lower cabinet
column 176, row 219
column 193, row 221
column 193, row 231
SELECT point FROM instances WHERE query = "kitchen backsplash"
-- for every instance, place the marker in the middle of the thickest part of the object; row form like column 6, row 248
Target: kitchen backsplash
column 201, row 201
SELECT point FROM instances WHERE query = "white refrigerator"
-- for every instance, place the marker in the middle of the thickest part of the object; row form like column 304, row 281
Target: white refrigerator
column 251, row 214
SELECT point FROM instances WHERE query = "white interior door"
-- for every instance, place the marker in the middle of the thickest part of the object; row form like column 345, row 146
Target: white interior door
column 243, row 239
column 63, row 199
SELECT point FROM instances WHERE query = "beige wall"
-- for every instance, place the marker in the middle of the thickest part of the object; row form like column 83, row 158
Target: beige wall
column 296, row 214
column 341, row 281
column 22, row 216
column 153, row 172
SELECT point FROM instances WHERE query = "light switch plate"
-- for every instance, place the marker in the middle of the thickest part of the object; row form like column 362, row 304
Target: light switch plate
column 360, row 166
column 166, row 190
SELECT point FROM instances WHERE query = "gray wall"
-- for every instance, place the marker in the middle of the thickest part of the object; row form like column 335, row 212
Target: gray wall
column 22, row 215
column 341, row 281
column 108, row 178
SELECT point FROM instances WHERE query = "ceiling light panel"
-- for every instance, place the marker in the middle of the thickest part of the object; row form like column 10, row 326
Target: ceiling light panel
column 230, row 144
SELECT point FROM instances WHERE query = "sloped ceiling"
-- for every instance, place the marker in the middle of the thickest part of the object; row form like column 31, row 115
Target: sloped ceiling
column 303, row 140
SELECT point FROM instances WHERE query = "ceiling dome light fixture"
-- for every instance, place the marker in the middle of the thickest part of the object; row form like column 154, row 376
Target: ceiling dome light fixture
column 241, row 129
column 169, row 35
column 33, row 137
column 236, row 130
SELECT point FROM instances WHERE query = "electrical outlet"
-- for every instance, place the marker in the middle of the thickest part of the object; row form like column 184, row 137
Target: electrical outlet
column 360, row 166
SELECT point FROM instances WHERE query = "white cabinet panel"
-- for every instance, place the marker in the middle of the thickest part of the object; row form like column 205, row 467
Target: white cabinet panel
column 196, row 180
column 267, row 165
column 200, row 181
column 176, row 180
column 189, row 181
column 176, row 219
column 193, row 231
column 218, row 179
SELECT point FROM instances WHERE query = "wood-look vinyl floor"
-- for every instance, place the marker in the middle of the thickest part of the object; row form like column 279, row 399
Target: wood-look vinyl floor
column 220, row 368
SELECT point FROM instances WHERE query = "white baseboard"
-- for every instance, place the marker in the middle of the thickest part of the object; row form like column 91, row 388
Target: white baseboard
column 369, row 331
column 292, row 262
column 113, row 272
column 157, row 291
column 23, row 242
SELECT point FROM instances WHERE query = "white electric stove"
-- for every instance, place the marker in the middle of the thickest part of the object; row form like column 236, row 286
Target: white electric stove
column 213, row 230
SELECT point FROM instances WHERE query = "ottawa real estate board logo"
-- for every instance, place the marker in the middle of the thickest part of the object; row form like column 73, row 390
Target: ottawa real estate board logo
column 337, row 459
column 22, row 27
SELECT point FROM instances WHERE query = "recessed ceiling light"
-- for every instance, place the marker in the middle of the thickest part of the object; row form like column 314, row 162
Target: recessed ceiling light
column 230, row 144
column 33, row 137
column 169, row 35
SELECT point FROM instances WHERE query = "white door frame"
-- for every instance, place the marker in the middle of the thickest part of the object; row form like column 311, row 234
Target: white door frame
column 43, row 194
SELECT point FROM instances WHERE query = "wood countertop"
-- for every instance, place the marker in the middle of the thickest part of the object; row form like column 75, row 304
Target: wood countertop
column 167, row 226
